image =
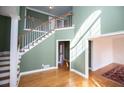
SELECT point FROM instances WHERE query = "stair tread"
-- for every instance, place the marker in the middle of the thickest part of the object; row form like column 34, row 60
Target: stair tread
column 5, row 85
column 4, row 63
column 4, row 58
column 4, row 71
column 4, row 81
column 4, row 74
column 4, row 53
column 4, row 68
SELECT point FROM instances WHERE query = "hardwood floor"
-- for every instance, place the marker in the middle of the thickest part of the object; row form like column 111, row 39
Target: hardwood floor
column 103, row 81
column 62, row 77
column 55, row 78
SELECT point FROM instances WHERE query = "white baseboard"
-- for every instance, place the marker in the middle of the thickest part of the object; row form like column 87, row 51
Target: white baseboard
column 18, row 80
column 81, row 74
column 35, row 71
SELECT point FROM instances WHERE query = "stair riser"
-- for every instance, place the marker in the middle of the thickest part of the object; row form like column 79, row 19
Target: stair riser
column 6, row 65
column 4, row 71
column 6, row 55
column 4, row 60
column 4, row 78
column 5, row 85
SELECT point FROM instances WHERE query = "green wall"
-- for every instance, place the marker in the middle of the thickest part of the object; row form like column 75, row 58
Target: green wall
column 112, row 20
column 45, row 52
column 64, row 34
column 79, row 63
column 5, row 29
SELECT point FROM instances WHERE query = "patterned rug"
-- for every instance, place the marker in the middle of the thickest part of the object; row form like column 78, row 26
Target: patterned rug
column 116, row 74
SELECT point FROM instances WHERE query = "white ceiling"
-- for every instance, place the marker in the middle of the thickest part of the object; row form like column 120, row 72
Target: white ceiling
column 57, row 10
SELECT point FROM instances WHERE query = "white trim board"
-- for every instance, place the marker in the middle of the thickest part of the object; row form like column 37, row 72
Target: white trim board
column 35, row 71
column 18, row 80
column 57, row 42
column 81, row 74
column 65, row 28
column 107, row 35
column 34, row 30
column 13, row 51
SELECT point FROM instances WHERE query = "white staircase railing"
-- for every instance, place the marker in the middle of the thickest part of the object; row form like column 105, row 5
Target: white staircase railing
column 35, row 30
column 28, row 38
column 90, row 28
column 51, row 24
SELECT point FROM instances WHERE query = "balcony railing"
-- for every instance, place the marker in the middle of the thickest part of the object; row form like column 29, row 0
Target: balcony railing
column 51, row 24
column 35, row 30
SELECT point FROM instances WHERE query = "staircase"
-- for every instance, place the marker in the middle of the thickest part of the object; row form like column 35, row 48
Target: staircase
column 4, row 69
column 33, row 35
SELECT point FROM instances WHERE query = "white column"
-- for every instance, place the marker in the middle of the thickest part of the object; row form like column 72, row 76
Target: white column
column 13, row 51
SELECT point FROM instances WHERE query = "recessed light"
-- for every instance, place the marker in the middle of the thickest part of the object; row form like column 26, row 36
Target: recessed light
column 50, row 7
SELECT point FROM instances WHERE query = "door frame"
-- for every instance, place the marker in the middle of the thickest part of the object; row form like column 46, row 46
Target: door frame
column 57, row 42
column 90, row 53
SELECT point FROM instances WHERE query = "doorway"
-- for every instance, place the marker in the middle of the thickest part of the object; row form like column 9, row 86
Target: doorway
column 63, row 55
column 90, row 49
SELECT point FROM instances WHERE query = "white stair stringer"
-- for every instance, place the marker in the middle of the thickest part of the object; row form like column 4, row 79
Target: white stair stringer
column 36, row 43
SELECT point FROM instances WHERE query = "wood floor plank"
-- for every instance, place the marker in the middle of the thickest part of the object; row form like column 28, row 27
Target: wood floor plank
column 55, row 78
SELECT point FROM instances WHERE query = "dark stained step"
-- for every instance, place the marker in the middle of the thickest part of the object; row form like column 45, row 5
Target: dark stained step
column 5, row 55
column 4, row 65
column 5, row 85
column 4, row 78
column 4, row 71
column 4, row 60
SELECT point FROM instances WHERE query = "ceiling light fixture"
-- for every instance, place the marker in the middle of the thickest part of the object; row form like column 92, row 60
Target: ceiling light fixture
column 50, row 7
